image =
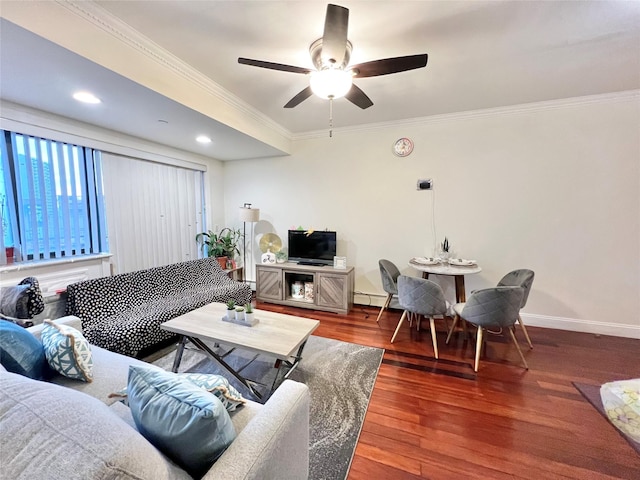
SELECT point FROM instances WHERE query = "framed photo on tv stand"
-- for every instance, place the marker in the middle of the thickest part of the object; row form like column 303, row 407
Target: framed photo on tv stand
column 340, row 262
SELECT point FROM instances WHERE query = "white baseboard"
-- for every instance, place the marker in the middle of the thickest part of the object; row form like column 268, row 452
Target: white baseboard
column 544, row 321
column 579, row 325
column 369, row 299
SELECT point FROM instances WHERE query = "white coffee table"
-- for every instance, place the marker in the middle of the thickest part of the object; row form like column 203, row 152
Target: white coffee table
column 280, row 336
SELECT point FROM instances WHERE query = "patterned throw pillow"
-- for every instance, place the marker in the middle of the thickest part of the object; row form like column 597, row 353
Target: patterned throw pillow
column 67, row 351
column 216, row 384
column 219, row 386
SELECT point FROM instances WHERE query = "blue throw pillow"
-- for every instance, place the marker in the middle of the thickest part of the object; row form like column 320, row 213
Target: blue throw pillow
column 212, row 383
column 185, row 422
column 21, row 352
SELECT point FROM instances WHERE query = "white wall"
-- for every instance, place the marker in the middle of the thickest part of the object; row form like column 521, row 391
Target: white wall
column 554, row 187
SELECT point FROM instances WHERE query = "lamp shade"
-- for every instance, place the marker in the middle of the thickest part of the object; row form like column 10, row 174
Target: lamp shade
column 248, row 214
column 331, row 83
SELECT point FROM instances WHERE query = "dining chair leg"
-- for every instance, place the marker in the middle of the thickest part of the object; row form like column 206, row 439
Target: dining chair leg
column 404, row 315
column 524, row 330
column 515, row 341
column 385, row 306
column 418, row 320
column 432, row 324
column 453, row 326
column 478, row 347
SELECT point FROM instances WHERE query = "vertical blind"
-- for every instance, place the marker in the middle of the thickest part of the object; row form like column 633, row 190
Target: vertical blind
column 51, row 206
column 154, row 212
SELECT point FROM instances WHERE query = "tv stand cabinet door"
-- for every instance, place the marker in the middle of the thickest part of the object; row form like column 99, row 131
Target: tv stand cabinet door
column 268, row 284
column 334, row 292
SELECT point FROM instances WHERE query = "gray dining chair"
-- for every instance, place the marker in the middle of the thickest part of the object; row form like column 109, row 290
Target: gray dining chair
column 491, row 307
column 389, row 274
column 520, row 278
column 420, row 297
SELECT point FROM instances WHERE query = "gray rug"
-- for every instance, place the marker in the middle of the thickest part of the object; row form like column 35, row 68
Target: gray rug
column 340, row 377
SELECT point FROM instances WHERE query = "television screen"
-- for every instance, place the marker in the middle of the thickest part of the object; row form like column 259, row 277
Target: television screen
column 317, row 248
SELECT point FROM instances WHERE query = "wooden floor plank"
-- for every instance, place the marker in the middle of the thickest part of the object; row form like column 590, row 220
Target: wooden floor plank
column 438, row 419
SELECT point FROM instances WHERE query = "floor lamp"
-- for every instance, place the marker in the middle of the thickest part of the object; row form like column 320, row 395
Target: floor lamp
column 252, row 215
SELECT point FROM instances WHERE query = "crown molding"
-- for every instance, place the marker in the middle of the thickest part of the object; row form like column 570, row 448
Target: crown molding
column 627, row 95
column 109, row 23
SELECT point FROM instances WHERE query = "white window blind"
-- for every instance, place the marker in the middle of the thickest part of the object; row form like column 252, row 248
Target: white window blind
column 51, row 207
column 154, row 212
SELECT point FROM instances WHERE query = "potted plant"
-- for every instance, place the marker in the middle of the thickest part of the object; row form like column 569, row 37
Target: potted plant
column 222, row 245
column 10, row 254
column 248, row 314
column 229, row 240
column 445, row 252
column 231, row 309
column 212, row 246
column 240, row 314
column 10, row 250
column 281, row 256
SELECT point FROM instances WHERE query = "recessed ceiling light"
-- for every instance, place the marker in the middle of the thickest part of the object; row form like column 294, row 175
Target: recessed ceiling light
column 86, row 97
column 203, row 139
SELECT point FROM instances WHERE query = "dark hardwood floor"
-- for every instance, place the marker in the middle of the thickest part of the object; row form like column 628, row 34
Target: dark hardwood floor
column 437, row 419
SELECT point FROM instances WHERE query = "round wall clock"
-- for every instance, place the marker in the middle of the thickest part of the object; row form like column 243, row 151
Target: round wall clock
column 403, row 147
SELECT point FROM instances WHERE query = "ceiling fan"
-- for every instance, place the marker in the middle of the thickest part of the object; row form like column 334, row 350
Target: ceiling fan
column 333, row 78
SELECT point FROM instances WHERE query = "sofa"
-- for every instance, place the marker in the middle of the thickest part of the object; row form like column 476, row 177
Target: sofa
column 66, row 428
column 123, row 313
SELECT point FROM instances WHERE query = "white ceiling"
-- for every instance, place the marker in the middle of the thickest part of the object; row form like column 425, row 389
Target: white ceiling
column 482, row 54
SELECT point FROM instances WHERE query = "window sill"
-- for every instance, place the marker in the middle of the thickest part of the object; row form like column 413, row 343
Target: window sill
column 35, row 264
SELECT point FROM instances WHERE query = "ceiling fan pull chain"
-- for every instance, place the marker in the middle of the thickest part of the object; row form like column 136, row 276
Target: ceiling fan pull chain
column 330, row 117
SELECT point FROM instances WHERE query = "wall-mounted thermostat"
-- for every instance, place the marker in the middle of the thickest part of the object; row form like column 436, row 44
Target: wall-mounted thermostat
column 425, row 184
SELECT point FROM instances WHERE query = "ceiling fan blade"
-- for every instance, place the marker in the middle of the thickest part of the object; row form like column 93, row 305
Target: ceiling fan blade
column 389, row 65
column 299, row 98
column 273, row 66
column 358, row 97
column 334, row 39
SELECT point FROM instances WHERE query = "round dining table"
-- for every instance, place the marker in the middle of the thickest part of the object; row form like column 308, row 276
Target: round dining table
column 456, row 271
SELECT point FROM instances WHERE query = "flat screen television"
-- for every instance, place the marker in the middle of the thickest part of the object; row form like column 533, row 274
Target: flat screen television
column 317, row 248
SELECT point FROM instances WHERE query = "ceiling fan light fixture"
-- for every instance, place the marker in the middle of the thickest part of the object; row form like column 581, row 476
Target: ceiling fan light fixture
column 330, row 55
column 331, row 83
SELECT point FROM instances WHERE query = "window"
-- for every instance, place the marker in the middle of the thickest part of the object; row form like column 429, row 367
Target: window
column 51, row 201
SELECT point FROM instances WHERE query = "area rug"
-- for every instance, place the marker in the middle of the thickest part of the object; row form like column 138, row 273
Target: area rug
column 340, row 377
column 592, row 394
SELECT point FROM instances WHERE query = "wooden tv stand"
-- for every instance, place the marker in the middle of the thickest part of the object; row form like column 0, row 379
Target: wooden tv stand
column 331, row 289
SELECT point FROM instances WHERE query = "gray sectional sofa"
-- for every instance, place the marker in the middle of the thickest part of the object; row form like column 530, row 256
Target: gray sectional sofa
column 123, row 313
column 70, row 429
